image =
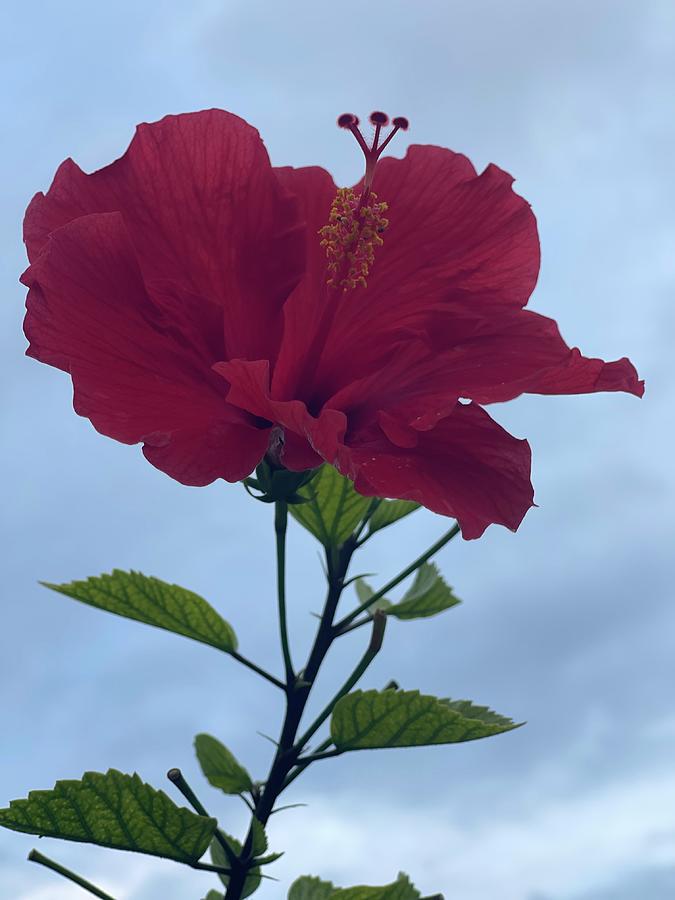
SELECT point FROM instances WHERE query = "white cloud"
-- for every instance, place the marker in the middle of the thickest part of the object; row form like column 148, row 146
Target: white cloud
column 571, row 845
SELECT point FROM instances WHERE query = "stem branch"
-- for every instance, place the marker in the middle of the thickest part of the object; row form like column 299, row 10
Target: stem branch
column 280, row 525
column 35, row 856
column 379, row 621
column 176, row 776
column 251, row 665
column 441, row 542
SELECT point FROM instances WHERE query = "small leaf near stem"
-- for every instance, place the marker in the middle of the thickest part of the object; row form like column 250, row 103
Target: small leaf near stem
column 176, row 777
column 339, row 627
column 280, row 525
column 220, row 767
column 35, row 856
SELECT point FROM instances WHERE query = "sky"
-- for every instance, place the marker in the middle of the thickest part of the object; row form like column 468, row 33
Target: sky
column 568, row 624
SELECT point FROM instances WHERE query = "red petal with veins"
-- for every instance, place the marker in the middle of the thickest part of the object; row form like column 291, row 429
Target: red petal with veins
column 134, row 374
column 467, row 467
column 208, row 219
column 493, row 355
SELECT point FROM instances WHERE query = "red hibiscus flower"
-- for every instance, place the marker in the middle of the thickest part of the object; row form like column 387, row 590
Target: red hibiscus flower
column 206, row 303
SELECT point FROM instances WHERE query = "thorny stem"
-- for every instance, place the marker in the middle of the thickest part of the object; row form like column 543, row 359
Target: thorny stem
column 35, row 856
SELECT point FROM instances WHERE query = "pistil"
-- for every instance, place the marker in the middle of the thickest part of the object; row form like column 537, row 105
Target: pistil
column 356, row 223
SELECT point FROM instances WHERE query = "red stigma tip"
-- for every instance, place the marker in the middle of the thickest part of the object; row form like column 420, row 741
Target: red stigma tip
column 347, row 120
column 373, row 152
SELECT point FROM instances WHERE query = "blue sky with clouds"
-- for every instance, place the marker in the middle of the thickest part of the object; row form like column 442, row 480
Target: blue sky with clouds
column 570, row 624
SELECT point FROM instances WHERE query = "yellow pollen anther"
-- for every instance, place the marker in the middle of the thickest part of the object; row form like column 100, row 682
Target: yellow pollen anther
column 350, row 237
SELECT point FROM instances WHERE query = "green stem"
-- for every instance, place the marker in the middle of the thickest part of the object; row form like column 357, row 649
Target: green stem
column 324, row 745
column 207, row 867
column 303, row 763
column 379, row 621
column 374, row 503
column 255, row 668
column 297, row 694
column 441, row 542
column 354, row 625
column 313, row 757
column 35, row 856
column 176, row 777
column 280, row 525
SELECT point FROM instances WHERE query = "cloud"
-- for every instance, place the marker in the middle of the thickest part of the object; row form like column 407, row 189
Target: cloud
column 614, row 842
column 559, row 848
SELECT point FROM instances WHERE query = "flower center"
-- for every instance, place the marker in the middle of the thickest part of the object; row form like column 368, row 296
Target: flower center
column 356, row 221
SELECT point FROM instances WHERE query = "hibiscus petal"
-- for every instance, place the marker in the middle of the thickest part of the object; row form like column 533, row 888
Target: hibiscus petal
column 467, row 467
column 307, row 439
column 452, row 234
column 491, row 356
column 206, row 215
column 134, row 378
column 487, row 358
column 454, row 238
column 307, row 310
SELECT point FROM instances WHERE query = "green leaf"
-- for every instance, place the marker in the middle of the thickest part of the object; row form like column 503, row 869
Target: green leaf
column 371, row 719
column 390, row 511
column 219, row 858
column 220, row 767
column 427, row 596
column 149, row 600
column 472, row 711
column 401, row 889
column 364, row 592
column 270, row 858
column 113, row 810
column 309, row 888
column 214, row 895
column 334, row 508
